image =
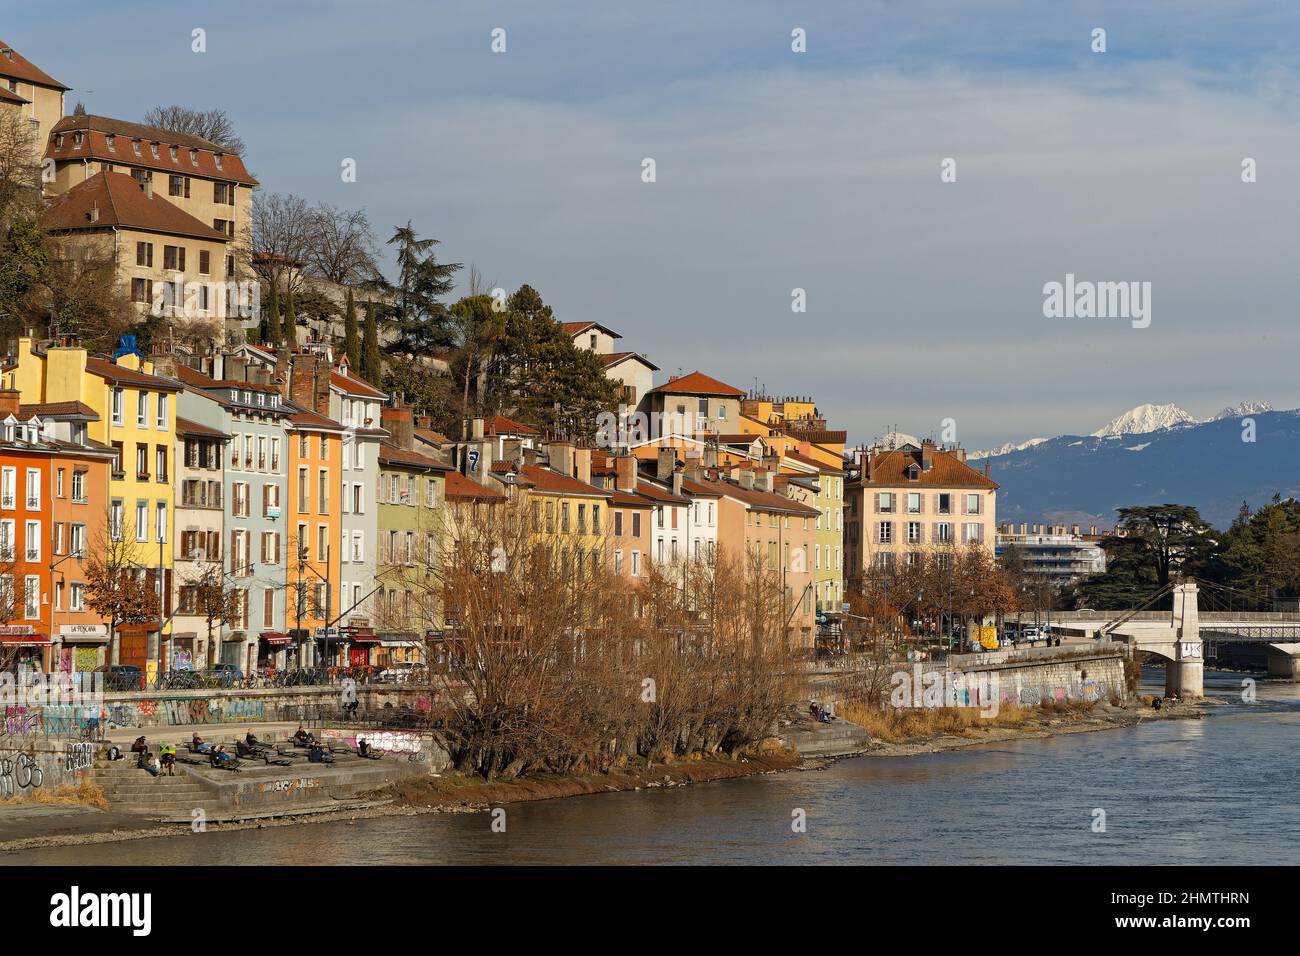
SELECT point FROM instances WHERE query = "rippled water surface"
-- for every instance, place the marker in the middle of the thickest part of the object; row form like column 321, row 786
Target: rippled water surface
column 1220, row 790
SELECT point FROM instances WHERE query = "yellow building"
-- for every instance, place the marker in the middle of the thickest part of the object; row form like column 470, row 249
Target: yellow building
column 168, row 262
column 137, row 419
column 820, row 486
column 33, row 93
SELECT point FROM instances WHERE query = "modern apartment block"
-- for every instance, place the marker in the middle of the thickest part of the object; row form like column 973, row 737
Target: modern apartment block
column 1058, row 553
column 906, row 500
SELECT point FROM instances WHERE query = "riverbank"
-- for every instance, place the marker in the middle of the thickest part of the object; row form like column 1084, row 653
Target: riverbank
column 458, row 793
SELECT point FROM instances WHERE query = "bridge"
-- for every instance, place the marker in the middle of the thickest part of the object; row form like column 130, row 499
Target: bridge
column 1179, row 637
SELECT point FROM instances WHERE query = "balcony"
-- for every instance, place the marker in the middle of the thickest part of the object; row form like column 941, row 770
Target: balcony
column 33, row 503
column 8, row 500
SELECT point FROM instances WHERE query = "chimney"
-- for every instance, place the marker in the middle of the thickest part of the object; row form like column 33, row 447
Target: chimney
column 561, row 455
column 476, row 428
column 666, row 464
column 746, row 478
column 763, row 480
column 309, row 384
column 93, row 215
column 1074, row 529
column 677, row 483
column 927, row 455
column 986, row 467
column 423, row 421
column 710, row 454
column 625, row 473
column 1024, row 528
column 236, row 368
column 10, row 398
column 582, row 465
column 1092, row 529
column 400, row 426
column 147, row 186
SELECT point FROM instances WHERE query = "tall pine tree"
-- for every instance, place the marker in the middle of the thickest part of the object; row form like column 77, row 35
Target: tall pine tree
column 271, row 330
column 351, row 338
column 371, row 364
column 290, row 319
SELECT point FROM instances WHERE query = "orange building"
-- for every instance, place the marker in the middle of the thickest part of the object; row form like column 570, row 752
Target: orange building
column 314, row 568
column 53, row 505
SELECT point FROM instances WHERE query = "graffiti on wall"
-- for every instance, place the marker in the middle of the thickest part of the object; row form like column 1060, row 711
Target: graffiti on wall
column 180, row 711
column 19, row 771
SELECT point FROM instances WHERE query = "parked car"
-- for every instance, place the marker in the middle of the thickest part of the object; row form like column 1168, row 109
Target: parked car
column 226, row 674
column 121, row 676
column 1030, row 634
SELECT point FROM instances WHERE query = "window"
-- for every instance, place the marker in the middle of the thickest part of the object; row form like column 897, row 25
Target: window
column 160, row 463
column 973, row 504
column 77, row 540
column 885, row 502
column 323, row 491
column 77, row 597
column 116, row 413
column 32, row 597
column 142, row 409
column 943, row 531
column 973, row 532
column 79, row 487
column 303, row 491
column 636, row 564
column 914, row 502
column 141, row 460
column 322, row 543
column 885, row 532
column 914, row 532
column 8, row 492
column 178, row 186
column 32, row 540
column 945, row 503
column 34, row 489
column 160, row 528
column 142, row 521
column 115, row 517
column 144, row 254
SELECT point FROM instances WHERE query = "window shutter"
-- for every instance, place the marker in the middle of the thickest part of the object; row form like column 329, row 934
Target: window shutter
column 234, row 552
column 277, row 547
column 266, row 499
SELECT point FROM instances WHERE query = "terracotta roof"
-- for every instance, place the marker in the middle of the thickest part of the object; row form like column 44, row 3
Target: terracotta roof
column 9, row 97
column 813, row 462
column 58, row 410
column 119, row 375
column 95, row 146
column 121, row 202
column 353, row 385
column 186, row 427
column 16, row 65
column 310, row 420
column 655, row 493
column 817, row 436
column 430, row 436
column 889, row 470
column 576, row 328
column 762, row 500
column 390, row 454
column 458, row 486
column 500, row 425
column 614, row 358
column 697, row 383
column 546, row 480
column 626, row 499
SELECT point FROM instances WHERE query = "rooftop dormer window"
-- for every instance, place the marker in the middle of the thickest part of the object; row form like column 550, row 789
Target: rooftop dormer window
column 111, row 141
column 135, row 145
column 173, row 151
column 153, row 149
column 77, row 139
column 217, row 159
column 913, row 473
column 58, row 141
column 194, row 157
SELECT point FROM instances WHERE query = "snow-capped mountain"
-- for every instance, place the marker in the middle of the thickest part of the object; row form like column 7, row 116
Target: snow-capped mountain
column 1242, row 409
column 1153, row 454
column 1006, row 449
column 1146, row 419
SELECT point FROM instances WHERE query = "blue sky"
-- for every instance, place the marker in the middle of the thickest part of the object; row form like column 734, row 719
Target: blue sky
column 779, row 170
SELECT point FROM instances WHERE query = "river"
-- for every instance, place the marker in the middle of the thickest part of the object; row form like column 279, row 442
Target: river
column 1219, row 790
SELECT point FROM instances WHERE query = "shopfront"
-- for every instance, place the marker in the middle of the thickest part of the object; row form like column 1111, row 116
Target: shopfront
column 82, row 647
column 273, row 650
column 25, row 650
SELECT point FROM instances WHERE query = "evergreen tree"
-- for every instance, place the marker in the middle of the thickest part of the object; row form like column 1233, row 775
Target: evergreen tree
column 420, row 315
column 271, row 332
column 372, row 369
column 290, row 319
column 351, row 342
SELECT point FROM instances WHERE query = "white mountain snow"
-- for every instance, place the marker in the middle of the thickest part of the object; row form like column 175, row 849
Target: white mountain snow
column 1242, row 409
column 1145, row 419
column 1006, row 449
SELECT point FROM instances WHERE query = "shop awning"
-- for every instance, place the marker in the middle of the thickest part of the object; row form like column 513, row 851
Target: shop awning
column 365, row 639
column 11, row 640
column 276, row 637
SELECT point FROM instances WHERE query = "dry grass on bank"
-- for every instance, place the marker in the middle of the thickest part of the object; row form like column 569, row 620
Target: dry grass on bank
column 899, row 726
column 65, row 795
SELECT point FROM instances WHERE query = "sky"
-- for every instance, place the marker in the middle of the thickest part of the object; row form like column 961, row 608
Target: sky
column 777, row 170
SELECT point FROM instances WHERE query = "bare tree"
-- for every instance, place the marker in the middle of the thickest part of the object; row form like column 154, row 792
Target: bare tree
column 342, row 246
column 285, row 228
column 118, row 585
column 212, row 125
column 20, row 179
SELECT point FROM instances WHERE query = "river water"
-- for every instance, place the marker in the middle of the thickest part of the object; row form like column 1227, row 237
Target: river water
column 1219, row 790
